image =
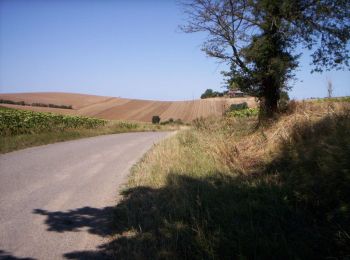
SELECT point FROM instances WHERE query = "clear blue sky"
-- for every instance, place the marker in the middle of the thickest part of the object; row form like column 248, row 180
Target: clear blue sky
column 121, row 48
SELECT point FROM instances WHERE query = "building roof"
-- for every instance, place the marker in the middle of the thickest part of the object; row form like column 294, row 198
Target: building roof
column 236, row 91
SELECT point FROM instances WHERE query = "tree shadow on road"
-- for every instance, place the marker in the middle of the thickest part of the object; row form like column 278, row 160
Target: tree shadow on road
column 7, row 256
column 188, row 218
column 97, row 221
column 295, row 208
column 86, row 219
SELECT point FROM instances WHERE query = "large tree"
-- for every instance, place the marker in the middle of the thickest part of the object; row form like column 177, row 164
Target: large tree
column 259, row 39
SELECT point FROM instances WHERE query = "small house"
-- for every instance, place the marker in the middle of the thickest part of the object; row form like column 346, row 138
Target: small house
column 235, row 93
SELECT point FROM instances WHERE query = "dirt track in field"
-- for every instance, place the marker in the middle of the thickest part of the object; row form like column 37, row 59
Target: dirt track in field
column 126, row 109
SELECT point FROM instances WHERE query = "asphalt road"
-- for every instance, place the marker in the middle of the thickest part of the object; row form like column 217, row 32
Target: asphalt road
column 56, row 199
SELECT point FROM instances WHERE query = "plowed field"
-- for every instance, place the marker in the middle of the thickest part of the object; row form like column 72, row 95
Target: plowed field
column 125, row 109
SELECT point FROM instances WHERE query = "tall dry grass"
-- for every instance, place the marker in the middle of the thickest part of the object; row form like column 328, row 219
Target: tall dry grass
column 230, row 189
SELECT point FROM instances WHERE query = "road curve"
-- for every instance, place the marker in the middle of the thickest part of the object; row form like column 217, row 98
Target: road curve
column 55, row 199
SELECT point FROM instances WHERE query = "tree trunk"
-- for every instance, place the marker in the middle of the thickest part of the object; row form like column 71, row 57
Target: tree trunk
column 271, row 97
column 271, row 84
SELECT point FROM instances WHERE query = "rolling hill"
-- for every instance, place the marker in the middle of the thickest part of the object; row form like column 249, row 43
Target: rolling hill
column 125, row 109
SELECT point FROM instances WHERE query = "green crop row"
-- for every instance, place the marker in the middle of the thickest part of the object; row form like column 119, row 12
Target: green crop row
column 15, row 122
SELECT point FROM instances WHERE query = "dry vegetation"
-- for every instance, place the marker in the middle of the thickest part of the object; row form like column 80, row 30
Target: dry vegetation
column 231, row 190
column 125, row 109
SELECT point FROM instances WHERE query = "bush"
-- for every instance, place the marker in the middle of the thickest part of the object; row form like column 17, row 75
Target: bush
column 39, row 105
column 5, row 101
column 171, row 121
column 60, row 106
column 22, row 103
column 240, row 106
column 155, row 120
column 178, row 122
column 247, row 112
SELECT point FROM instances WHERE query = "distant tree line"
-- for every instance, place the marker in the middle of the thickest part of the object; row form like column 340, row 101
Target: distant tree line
column 209, row 93
column 22, row 103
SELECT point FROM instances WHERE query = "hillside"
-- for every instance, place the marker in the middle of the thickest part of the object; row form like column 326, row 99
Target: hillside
column 125, row 109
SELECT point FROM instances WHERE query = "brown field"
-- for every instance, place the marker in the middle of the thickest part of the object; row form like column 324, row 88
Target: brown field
column 125, row 109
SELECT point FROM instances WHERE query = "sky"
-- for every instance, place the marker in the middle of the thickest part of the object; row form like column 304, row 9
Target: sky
column 120, row 48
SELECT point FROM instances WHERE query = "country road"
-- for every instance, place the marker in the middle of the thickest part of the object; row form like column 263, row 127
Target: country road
column 56, row 199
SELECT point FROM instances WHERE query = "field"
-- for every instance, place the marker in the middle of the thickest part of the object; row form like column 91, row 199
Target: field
column 21, row 129
column 125, row 109
column 228, row 189
column 15, row 122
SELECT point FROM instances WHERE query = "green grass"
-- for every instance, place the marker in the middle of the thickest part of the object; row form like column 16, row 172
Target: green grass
column 21, row 129
column 229, row 190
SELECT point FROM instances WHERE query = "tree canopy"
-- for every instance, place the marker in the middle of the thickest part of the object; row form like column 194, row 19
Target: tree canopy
column 259, row 40
column 209, row 93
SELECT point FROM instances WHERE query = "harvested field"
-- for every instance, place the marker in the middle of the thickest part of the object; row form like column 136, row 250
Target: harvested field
column 125, row 109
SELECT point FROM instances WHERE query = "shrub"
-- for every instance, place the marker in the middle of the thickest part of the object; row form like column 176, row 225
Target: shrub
column 39, row 105
column 155, row 120
column 240, row 106
column 5, row 101
column 171, row 121
column 178, row 122
column 247, row 112
column 22, row 103
column 60, row 106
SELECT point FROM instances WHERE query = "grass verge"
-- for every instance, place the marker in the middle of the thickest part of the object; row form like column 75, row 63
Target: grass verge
column 229, row 190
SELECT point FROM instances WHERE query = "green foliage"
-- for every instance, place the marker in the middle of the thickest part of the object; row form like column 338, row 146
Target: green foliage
column 283, row 101
column 22, row 103
column 51, row 105
column 171, row 121
column 239, row 106
column 19, row 129
column 5, row 101
column 247, row 112
column 209, row 93
column 178, row 122
column 260, row 40
column 241, row 110
column 155, row 120
column 15, row 122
